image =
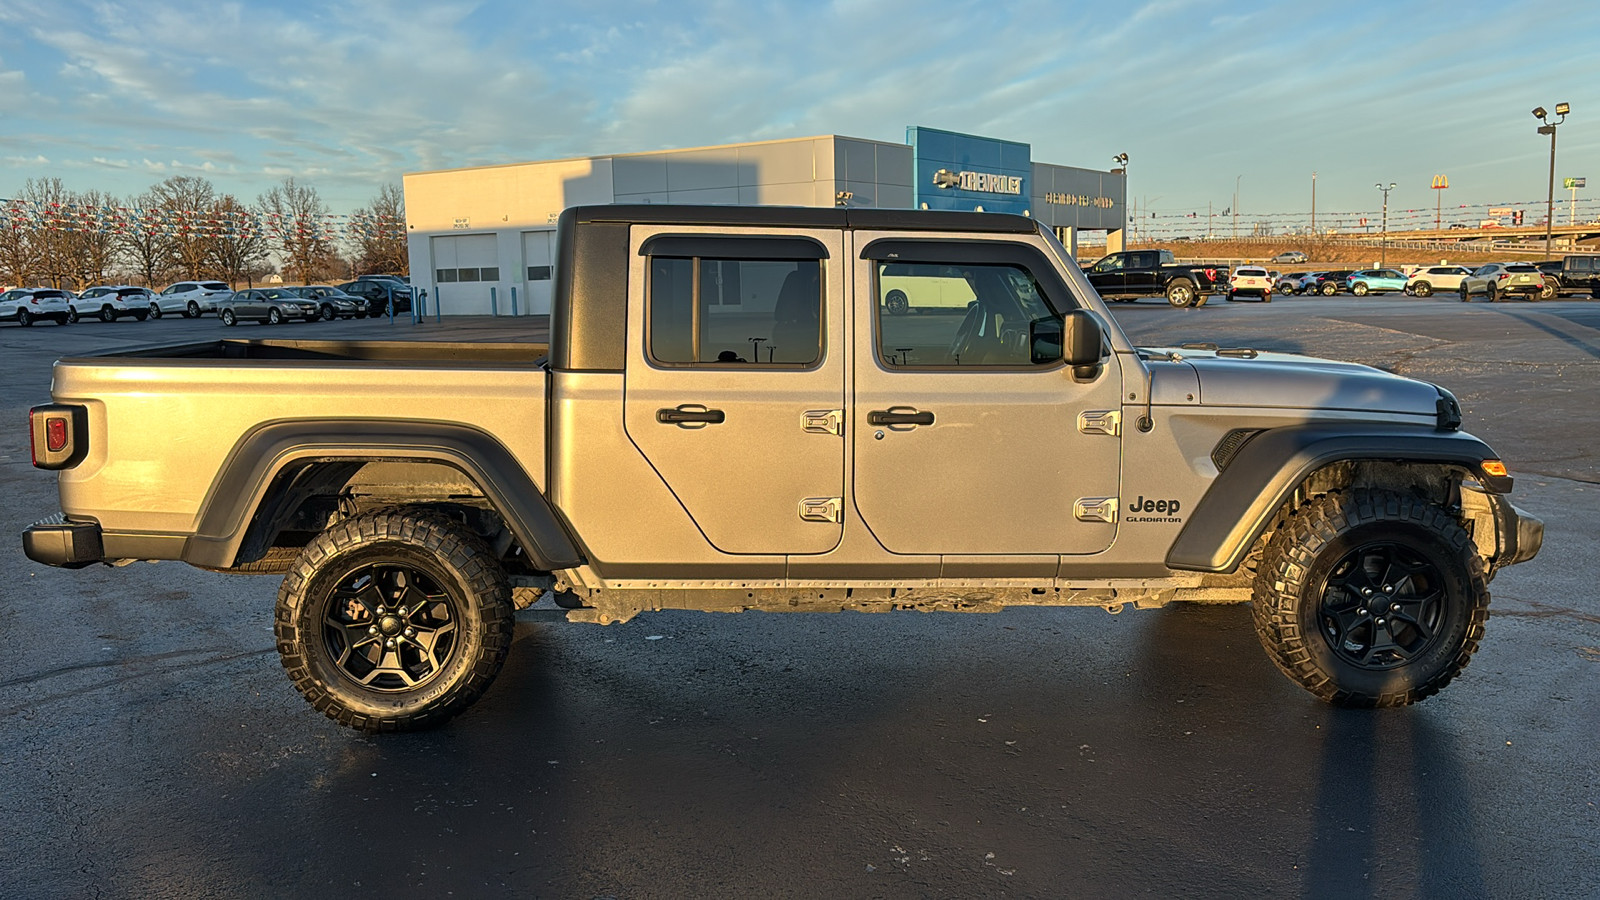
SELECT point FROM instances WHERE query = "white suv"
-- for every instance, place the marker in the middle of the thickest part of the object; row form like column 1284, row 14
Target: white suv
column 193, row 298
column 1428, row 279
column 111, row 302
column 1250, row 280
column 28, row 305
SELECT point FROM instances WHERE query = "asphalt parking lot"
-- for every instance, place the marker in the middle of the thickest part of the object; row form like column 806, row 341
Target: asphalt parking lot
column 153, row 747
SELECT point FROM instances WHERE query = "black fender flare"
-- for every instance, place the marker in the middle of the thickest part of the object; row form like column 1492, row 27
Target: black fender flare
column 1260, row 477
column 238, row 495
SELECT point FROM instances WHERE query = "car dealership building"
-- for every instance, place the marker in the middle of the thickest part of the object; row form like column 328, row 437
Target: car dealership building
column 482, row 239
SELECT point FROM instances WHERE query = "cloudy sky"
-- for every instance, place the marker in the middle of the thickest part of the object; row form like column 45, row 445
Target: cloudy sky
column 118, row 94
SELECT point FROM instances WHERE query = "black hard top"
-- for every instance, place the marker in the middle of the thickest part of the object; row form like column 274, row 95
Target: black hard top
column 805, row 217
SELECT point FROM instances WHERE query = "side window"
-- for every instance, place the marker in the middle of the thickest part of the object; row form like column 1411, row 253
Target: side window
column 1167, row 259
column 941, row 315
column 750, row 311
column 1112, row 263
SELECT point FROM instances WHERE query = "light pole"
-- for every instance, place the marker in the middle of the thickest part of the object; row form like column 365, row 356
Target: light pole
column 1313, row 203
column 1121, row 159
column 1236, row 206
column 1383, row 257
column 1548, row 127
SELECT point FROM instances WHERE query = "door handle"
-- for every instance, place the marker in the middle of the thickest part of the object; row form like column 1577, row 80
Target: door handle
column 898, row 417
column 690, row 415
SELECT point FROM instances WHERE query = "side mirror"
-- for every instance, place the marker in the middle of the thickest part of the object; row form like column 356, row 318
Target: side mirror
column 1075, row 338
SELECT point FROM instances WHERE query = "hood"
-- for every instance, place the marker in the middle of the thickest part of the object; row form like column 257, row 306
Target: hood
column 1290, row 381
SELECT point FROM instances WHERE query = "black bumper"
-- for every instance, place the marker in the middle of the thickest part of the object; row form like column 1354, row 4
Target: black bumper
column 69, row 545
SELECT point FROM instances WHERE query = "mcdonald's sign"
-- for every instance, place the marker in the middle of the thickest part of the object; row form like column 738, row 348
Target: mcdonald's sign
column 1440, row 182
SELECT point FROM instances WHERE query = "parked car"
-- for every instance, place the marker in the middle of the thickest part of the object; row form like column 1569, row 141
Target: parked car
column 397, row 279
column 193, row 298
column 1289, row 282
column 1330, row 283
column 1155, row 273
column 334, row 303
column 1498, row 280
column 380, row 294
column 268, row 305
column 1375, row 281
column 1428, row 279
column 1290, row 256
column 1581, row 273
column 25, row 306
column 1250, row 281
column 111, row 302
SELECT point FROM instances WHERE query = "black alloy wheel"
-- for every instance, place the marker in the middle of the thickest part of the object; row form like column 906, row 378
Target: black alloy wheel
column 1494, row 292
column 1382, row 604
column 387, row 626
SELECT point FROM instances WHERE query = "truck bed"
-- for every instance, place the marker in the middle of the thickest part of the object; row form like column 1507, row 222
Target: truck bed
column 363, row 351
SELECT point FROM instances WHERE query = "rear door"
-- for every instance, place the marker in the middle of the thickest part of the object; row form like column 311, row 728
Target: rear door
column 734, row 389
column 963, row 446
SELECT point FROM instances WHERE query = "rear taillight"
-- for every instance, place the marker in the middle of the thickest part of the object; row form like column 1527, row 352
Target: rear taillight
column 1503, row 276
column 59, row 435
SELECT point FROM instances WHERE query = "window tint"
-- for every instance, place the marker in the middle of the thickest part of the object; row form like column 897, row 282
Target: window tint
column 735, row 311
column 1112, row 263
column 957, row 315
column 1581, row 264
column 211, row 286
column 1521, row 269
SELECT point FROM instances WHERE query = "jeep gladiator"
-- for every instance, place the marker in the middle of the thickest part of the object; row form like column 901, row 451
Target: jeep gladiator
column 729, row 417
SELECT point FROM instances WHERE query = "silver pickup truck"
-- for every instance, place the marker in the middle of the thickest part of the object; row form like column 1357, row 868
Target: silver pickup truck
column 730, row 416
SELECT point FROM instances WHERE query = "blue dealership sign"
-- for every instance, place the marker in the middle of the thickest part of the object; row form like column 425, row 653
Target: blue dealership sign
column 968, row 172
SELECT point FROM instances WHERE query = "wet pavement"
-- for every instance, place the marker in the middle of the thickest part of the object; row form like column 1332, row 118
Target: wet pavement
column 152, row 746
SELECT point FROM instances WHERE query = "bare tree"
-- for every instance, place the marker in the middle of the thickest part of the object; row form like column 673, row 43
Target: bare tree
column 51, row 213
column 18, row 253
column 378, row 233
column 238, row 246
column 145, row 242
column 297, row 227
column 91, row 241
column 186, row 202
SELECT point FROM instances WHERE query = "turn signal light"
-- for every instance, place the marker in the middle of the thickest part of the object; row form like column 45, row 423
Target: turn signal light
column 1494, row 467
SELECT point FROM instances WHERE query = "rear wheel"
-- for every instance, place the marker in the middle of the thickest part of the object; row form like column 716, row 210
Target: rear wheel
column 191, row 310
column 1180, row 293
column 1266, row 296
column 1422, row 289
column 1371, row 598
column 141, row 315
column 394, row 621
column 896, row 303
column 107, row 314
column 1328, row 290
column 228, row 317
column 155, row 311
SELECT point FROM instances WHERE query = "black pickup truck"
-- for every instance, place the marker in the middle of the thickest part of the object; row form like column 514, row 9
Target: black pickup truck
column 1155, row 273
column 1571, row 275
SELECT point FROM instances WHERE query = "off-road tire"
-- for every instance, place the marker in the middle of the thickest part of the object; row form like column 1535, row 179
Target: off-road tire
column 455, row 560
column 1300, row 558
column 1180, row 293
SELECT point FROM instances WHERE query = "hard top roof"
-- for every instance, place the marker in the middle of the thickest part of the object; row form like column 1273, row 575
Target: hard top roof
column 805, row 217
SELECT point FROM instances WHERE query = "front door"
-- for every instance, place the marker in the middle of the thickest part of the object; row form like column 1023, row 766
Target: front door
column 962, row 445
column 1108, row 275
column 735, row 381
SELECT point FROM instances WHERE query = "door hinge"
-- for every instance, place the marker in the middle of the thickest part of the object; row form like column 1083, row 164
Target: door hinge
column 1096, row 509
column 1100, row 421
column 823, row 421
column 823, row 509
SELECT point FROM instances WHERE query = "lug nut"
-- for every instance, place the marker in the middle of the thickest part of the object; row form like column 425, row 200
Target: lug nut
column 1362, row 611
column 1380, row 622
column 391, row 640
column 372, row 630
column 410, row 632
column 1366, row 592
column 1387, row 589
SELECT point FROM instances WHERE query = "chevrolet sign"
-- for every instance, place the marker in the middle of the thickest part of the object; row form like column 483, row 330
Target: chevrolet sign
column 983, row 182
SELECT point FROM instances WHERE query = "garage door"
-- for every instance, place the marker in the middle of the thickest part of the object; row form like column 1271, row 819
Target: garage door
column 465, row 267
column 538, row 267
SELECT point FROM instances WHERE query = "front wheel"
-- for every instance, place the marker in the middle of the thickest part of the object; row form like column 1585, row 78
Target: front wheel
column 1547, row 291
column 394, row 621
column 1359, row 289
column 1371, row 598
column 24, row 318
column 228, row 318
column 274, row 317
column 1180, row 293
column 1465, row 294
column 155, row 311
column 328, row 315
column 1493, row 292
column 72, row 315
